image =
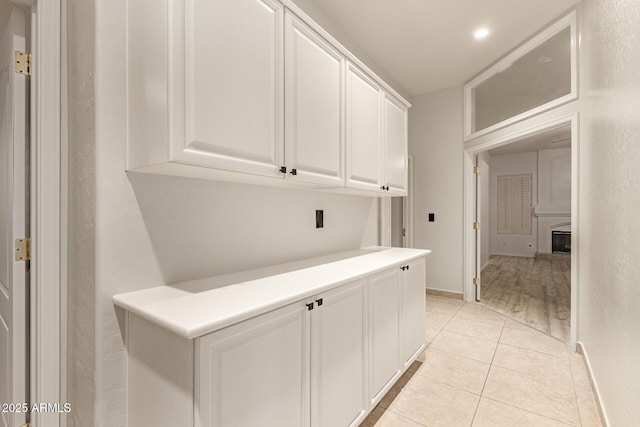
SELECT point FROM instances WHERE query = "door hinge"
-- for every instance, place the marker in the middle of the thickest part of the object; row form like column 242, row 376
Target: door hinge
column 26, row 425
column 476, row 281
column 476, row 170
column 476, row 226
column 23, row 249
column 23, row 63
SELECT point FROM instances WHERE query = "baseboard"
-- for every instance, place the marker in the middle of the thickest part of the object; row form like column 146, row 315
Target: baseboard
column 516, row 255
column 446, row 294
column 603, row 416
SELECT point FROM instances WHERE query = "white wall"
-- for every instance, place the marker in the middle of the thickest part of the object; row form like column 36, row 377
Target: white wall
column 133, row 231
column 609, row 294
column 435, row 141
column 484, row 161
column 513, row 164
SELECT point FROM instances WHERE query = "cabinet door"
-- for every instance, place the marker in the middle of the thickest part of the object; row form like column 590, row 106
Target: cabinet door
column 395, row 131
column 413, row 312
column 314, row 125
column 364, row 131
column 233, row 94
column 338, row 343
column 255, row 373
column 384, row 332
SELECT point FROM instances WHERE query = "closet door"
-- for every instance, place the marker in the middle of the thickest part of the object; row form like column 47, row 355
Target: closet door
column 314, row 142
column 233, row 74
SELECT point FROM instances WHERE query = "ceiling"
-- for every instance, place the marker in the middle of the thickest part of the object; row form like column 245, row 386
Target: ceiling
column 552, row 138
column 426, row 45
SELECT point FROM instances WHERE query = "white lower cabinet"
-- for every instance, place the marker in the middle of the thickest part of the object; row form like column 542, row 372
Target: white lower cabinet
column 412, row 338
column 323, row 361
column 384, row 332
column 255, row 373
column 338, row 357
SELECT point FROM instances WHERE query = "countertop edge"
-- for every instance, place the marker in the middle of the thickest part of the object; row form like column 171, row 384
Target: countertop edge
column 157, row 313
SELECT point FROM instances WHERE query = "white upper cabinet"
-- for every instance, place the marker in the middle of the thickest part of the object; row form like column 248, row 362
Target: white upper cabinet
column 396, row 147
column 364, row 131
column 233, row 78
column 314, row 92
column 205, row 86
column 251, row 90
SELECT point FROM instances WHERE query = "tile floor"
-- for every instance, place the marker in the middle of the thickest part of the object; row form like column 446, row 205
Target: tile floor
column 481, row 368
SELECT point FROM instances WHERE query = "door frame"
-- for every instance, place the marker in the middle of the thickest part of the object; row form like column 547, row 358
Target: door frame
column 565, row 115
column 48, row 211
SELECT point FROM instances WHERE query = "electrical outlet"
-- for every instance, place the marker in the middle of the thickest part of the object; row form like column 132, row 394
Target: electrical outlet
column 319, row 218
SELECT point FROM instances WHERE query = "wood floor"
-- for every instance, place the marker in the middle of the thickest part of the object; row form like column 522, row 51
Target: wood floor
column 535, row 291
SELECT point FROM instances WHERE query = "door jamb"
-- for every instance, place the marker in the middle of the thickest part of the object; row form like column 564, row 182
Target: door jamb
column 48, row 218
column 532, row 126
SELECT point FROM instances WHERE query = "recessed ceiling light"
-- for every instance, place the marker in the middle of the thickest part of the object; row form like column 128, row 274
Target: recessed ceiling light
column 481, row 33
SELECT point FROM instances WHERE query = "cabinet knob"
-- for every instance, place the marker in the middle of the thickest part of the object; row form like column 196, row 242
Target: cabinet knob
column 283, row 169
column 294, row 172
column 319, row 301
column 310, row 306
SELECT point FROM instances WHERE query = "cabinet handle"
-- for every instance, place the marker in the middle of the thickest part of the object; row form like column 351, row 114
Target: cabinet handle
column 283, row 169
column 385, row 188
column 404, row 267
column 294, row 172
column 407, row 267
column 319, row 301
column 310, row 306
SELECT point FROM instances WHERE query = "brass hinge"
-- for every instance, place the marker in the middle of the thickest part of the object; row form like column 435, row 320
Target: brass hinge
column 23, row 249
column 476, row 226
column 23, row 63
column 476, row 169
column 476, row 281
column 26, row 425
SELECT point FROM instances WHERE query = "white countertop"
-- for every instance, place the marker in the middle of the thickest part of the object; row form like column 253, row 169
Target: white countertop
column 198, row 307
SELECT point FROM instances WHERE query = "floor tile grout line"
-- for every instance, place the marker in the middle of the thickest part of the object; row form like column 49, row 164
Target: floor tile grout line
column 487, row 377
column 408, row 418
column 527, row 374
column 575, row 392
column 529, row 411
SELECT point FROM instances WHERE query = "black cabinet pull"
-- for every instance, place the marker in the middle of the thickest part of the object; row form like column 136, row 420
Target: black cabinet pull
column 294, row 172
column 283, row 169
column 310, row 306
column 404, row 267
column 319, row 301
column 407, row 267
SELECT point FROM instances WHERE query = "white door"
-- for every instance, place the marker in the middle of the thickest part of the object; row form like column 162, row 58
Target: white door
column 338, row 348
column 314, row 139
column 364, row 131
column 384, row 332
column 255, row 373
column 396, row 148
column 13, row 221
column 478, row 233
column 234, row 74
column 413, row 311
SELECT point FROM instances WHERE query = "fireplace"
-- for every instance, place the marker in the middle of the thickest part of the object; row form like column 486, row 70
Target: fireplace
column 560, row 242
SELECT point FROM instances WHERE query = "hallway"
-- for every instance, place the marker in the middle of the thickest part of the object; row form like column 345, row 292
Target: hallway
column 482, row 369
column 534, row 291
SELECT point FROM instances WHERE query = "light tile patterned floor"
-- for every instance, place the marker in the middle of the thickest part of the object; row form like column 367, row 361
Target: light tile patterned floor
column 483, row 369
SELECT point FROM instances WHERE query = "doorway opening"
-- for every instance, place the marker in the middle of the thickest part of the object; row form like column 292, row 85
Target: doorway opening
column 521, row 193
column 402, row 215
